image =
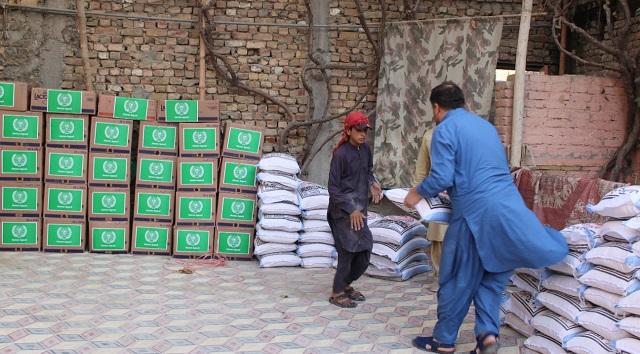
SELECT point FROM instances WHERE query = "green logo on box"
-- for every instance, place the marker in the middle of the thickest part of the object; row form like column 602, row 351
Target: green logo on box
column 19, row 233
column 20, row 162
column 108, row 239
column 195, row 208
column 238, row 174
column 66, row 129
column 65, row 200
column 64, row 235
column 108, row 203
column 181, row 110
column 198, row 139
column 154, row 204
column 238, row 209
column 66, row 165
column 197, row 173
column 154, row 170
column 130, row 108
column 193, row 241
column 20, row 127
column 152, row 238
column 19, row 199
column 64, row 101
column 244, row 140
column 234, row 242
column 110, row 169
column 159, row 137
column 111, row 134
column 7, row 90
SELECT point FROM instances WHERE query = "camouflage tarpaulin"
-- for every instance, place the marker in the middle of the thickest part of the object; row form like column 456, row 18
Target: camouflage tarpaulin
column 417, row 57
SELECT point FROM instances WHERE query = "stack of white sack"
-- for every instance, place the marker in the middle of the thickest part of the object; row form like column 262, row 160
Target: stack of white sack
column 278, row 212
column 601, row 313
column 399, row 248
column 316, row 244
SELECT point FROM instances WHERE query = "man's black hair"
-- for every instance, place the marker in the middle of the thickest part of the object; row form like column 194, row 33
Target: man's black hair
column 447, row 95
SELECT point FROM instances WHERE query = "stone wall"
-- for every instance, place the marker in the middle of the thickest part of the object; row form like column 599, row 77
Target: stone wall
column 571, row 122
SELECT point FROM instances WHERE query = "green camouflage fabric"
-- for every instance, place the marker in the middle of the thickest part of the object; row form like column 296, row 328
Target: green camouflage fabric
column 417, row 57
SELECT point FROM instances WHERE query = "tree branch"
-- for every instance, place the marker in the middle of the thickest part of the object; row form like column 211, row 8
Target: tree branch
column 230, row 76
column 294, row 125
column 365, row 26
column 312, row 156
column 577, row 58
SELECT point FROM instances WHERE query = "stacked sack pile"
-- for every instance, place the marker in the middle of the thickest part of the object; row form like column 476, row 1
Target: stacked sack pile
column 589, row 303
column 278, row 211
column 316, row 244
column 399, row 248
column 399, row 242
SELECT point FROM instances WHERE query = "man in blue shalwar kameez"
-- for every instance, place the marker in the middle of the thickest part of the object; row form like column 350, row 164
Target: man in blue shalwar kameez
column 491, row 231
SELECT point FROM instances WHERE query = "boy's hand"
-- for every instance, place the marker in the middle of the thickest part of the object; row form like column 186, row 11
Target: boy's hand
column 357, row 220
column 412, row 198
column 376, row 192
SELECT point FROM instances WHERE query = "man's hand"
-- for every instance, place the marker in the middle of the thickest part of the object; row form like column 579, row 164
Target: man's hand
column 412, row 198
column 357, row 220
column 376, row 192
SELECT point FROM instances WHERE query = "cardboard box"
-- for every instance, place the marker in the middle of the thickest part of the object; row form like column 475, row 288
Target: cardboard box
column 109, row 237
column 154, row 205
column 109, row 169
column 156, row 170
column 14, row 96
column 21, row 128
column 197, row 173
column 243, row 141
column 238, row 176
column 18, row 162
column 236, row 209
column 20, row 199
column 63, row 101
column 65, row 166
column 151, row 237
column 199, row 139
column 189, row 111
column 67, row 130
column 20, row 233
column 158, row 137
column 64, row 234
column 111, row 135
column 65, row 201
column 127, row 108
column 193, row 240
column 233, row 242
column 195, row 208
column 109, row 204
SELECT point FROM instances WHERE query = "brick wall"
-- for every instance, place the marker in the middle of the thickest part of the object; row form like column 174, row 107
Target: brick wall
column 571, row 122
column 159, row 59
column 587, row 17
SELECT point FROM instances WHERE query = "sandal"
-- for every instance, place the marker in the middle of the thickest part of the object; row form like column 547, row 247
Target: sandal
column 429, row 344
column 481, row 348
column 342, row 300
column 354, row 294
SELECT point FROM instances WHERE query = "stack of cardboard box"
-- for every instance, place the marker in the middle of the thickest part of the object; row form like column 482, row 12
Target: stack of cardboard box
column 65, row 172
column 21, row 137
column 199, row 136
column 111, row 170
column 156, row 174
column 237, row 204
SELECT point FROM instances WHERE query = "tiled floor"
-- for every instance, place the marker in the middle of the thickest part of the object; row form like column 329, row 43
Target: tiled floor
column 90, row 303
